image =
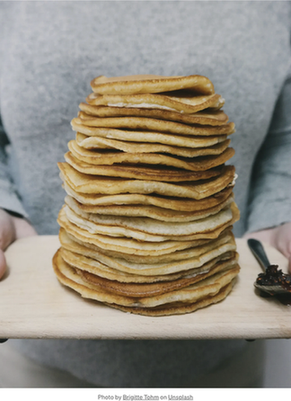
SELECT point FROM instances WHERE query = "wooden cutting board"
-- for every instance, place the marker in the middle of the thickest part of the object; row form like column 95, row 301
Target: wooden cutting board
column 33, row 304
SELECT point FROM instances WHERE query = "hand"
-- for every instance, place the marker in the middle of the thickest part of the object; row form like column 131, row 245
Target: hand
column 278, row 237
column 11, row 229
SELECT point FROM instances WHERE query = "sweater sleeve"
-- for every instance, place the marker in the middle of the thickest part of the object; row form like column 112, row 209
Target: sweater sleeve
column 9, row 198
column 270, row 192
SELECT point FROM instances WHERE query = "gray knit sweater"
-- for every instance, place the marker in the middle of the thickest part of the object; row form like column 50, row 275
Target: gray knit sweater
column 50, row 51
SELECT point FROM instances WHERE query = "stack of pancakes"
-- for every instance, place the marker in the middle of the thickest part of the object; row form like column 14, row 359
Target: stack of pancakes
column 146, row 224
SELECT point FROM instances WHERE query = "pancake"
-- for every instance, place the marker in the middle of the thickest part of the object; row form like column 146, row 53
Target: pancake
column 176, row 204
column 86, row 126
column 138, row 171
column 99, row 143
column 110, row 158
column 183, row 102
column 180, row 308
column 167, row 254
column 158, row 256
column 122, row 244
column 195, row 292
column 96, row 267
column 185, row 263
column 141, row 138
column 140, row 289
column 133, row 226
column 142, row 244
column 136, row 84
column 90, row 184
column 152, row 212
column 89, row 112
column 137, row 242
column 102, row 231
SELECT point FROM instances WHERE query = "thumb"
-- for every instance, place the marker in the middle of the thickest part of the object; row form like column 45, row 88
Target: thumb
column 2, row 264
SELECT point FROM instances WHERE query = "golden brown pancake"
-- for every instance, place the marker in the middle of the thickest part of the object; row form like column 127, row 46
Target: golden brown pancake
column 109, row 158
column 134, row 226
column 183, row 102
column 104, row 144
column 134, row 137
column 89, row 112
column 140, row 289
column 86, row 126
column 90, row 184
column 172, row 300
column 101, row 265
column 176, row 204
column 149, row 172
column 153, row 212
column 123, row 244
column 136, row 84
column 135, row 241
column 179, row 308
column 131, row 262
column 136, row 263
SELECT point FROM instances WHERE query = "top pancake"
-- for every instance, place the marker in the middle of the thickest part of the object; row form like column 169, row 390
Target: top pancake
column 135, row 84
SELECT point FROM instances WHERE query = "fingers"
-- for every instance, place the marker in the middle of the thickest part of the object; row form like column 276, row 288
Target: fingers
column 7, row 230
column 279, row 237
column 2, row 264
column 11, row 228
column 7, row 235
column 22, row 228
